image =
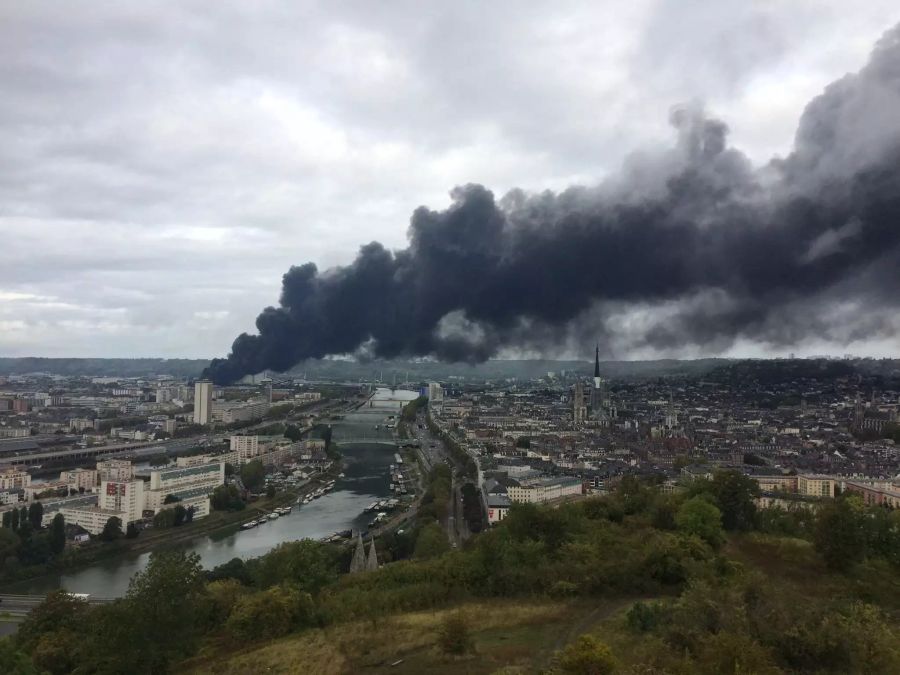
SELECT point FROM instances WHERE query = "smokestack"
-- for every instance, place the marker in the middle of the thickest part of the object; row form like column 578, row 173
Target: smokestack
column 704, row 248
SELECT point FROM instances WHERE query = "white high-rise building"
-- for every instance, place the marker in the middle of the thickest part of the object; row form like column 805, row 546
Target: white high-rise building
column 203, row 392
column 126, row 497
column 435, row 396
column 246, row 447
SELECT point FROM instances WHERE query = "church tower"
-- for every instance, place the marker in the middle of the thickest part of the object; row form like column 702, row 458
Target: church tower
column 578, row 408
column 598, row 391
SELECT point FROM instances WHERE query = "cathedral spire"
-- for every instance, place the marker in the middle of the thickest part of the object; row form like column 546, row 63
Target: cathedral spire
column 597, row 361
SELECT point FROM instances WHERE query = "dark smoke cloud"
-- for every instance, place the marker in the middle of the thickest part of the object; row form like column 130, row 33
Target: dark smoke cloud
column 727, row 250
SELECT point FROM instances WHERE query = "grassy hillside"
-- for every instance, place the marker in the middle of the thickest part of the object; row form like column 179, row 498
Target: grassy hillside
column 529, row 636
column 505, row 632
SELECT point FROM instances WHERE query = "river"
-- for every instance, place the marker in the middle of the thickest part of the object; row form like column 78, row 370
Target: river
column 366, row 479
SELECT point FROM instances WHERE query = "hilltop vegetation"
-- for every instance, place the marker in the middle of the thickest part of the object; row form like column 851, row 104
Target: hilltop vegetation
column 698, row 582
column 103, row 367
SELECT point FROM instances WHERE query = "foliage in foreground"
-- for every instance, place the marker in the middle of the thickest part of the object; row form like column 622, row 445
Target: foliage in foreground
column 636, row 542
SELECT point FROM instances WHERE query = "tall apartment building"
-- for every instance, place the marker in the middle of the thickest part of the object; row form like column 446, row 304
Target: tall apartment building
column 80, row 478
column 165, row 394
column 124, row 497
column 815, row 486
column 191, row 485
column 228, row 413
column 91, row 518
column 11, row 479
column 246, row 447
column 115, row 470
column 203, row 396
column 435, row 396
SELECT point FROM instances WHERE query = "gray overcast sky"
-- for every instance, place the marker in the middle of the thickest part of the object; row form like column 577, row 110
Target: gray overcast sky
column 163, row 164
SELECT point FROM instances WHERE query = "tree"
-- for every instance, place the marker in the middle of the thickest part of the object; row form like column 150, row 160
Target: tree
column 59, row 611
column 13, row 661
column 735, row 494
column 25, row 528
column 229, row 469
column 57, row 535
column 35, row 515
column 226, row 498
column 453, row 635
column 112, row 530
column 293, row 433
column 189, row 514
column 59, row 652
column 431, row 542
column 14, row 520
column 171, row 499
column 306, row 564
column 699, row 517
column 253, row 475
column 587, row 656
column 662, row 512
column 9, row 544
column 131, row 532
column 839, row 535
column 7, row 520
column 24, row 524
column 180, row 515
column 235, row 569
column 164, row 599
column 221, row 597
column 270, row 613
column 270, row 491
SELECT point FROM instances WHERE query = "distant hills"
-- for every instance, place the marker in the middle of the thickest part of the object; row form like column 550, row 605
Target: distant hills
column 387, row 371
column 416, row 371
column 103, row 367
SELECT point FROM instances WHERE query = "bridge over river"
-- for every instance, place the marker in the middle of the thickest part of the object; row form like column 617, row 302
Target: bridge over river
column 373, row 423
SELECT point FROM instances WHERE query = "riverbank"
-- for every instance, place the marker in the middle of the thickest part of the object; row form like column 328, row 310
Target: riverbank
column 78, row 558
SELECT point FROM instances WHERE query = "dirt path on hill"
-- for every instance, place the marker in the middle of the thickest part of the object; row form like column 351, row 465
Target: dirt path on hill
column 604, row 610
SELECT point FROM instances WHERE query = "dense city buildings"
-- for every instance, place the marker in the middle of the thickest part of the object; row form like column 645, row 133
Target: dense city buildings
column 93, row 448
column 804, row 430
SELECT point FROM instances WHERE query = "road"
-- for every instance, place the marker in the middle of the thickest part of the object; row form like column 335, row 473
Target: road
column 433, row 452
column 20, row 605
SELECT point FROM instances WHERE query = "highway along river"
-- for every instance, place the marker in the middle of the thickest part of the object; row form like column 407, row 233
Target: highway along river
column 366, row 479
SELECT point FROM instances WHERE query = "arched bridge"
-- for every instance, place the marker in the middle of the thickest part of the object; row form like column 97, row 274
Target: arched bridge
column 354, row 440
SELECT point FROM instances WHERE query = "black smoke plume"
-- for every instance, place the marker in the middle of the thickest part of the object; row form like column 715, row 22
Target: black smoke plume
column 704, row 247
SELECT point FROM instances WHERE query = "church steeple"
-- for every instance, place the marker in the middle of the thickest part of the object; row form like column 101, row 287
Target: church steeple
column 372, row 560
column 358, row 563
